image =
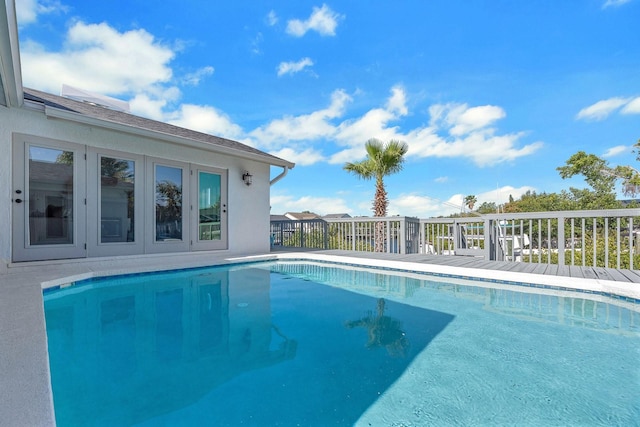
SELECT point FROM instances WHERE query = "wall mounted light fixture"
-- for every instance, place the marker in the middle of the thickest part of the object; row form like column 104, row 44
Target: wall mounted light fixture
column 247, row 178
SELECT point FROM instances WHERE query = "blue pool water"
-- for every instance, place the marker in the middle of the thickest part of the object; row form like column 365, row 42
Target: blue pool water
column 288, row 344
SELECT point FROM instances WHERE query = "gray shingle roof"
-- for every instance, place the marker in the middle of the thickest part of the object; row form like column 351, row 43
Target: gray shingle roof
column 105, row 114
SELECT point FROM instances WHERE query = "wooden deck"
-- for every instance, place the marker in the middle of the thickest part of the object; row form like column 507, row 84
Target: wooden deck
column 614, row 274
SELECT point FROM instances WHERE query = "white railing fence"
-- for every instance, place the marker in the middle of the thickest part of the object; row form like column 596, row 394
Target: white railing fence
column 598, row 238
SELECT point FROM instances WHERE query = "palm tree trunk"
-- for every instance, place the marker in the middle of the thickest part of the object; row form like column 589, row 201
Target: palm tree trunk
column 379, row 237
column 380, row 203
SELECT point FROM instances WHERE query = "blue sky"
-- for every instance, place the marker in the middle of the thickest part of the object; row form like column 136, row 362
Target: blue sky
column 491, row 96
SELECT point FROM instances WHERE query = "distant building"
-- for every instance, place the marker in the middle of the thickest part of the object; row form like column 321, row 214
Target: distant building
column 298, row 216
column 336, row 216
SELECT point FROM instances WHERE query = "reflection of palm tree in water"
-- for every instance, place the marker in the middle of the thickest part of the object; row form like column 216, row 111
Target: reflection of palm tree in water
column 384, row 331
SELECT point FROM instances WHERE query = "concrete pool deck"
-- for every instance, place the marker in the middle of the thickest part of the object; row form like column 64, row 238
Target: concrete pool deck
column 24, row 367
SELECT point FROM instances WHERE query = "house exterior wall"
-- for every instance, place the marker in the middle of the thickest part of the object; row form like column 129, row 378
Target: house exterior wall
column 248, row 206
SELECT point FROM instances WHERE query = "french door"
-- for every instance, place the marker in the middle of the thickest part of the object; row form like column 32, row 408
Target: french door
column 49, row 200
column 115, row 203
column 187, row 209
column 73, row 201
column 208, row 208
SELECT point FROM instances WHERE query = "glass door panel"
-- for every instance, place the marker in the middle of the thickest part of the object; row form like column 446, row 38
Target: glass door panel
column 117, row 200
column 50, row 196
column 209, row 208
column 168, row 190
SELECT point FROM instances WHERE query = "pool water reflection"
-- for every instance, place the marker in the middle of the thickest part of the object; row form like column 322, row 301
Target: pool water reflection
column 226, row 346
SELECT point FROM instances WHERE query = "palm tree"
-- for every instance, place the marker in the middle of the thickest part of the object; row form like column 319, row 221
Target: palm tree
column 470, row 201
column 382, row 160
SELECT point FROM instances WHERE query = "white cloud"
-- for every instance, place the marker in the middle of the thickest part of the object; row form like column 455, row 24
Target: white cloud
column 272, row 18
column 307, row 127
column 27, row 11
column 321, row 205
column 614, row 3
column 193, row 79
column 454, row 130
column 397, row 102
column 602, row 109
column 483, row 147
column 501, row 195
column 255, row 44
column 464, row 120
column 293, row 67
column 323, row 20
column 205, row 119
column 422, row 206
column 632, row 107
column 614, row 151
column 306, row 157
column 99, row 59
column 152, row 104
column 441, row 179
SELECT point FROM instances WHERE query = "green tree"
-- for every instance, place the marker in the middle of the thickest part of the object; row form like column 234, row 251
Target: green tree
column 168, row 201
column 593, row 168
column 116, row 168
column 487, row 208
column 630, row 176
column 66, row 158
column 541, row 202
column 598, row 175
column 382, row 160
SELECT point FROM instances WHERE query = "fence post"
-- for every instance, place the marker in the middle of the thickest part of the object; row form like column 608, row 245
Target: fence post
column 353, row 235
column 488, row 241
column 455, row 237
column 402, row 236
column 388, row 235
column 325, row 225
column 301, row 226
column 561, row 241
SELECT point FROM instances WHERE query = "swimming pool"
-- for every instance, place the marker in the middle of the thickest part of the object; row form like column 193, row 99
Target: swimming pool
column 300, row 343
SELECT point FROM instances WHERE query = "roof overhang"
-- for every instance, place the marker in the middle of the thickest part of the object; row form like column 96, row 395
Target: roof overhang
column 56, row 113
column 11, row 91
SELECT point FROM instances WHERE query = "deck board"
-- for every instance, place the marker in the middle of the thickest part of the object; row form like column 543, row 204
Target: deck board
column 614, row 274
column 632, row 275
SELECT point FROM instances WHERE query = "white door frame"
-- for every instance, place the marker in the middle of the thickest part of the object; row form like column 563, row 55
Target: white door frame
column 96, row 246
column 196, row 243
column 168, row 245
column 23, row 224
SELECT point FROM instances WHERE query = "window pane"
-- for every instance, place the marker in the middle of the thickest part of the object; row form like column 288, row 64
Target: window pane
column 168, row 203
column 209, row 206
column 117, row 200
column 50, row 196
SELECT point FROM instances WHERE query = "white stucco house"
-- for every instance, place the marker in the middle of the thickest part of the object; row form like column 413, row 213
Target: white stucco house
column 85, row 180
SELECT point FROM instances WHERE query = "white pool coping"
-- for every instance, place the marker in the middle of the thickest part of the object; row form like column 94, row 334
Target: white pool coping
column 25, row 384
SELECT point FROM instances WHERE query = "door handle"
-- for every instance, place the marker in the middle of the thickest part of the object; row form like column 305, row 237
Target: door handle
column 18, row 200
